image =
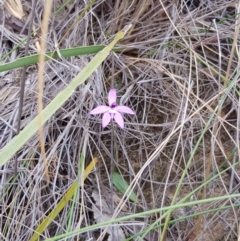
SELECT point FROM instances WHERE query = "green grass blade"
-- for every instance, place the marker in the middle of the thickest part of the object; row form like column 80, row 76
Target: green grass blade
column 184, row 218
column 18, row 141
column 221, row 101
column 140, row 214
column 33, row 59
column 189, row 195
column 80, row 168
column 122, row 186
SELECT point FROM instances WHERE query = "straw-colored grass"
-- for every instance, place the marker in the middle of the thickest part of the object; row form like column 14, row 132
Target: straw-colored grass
column 179, row 71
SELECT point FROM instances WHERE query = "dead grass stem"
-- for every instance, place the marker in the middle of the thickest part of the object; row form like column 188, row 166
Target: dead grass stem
column 172, row 72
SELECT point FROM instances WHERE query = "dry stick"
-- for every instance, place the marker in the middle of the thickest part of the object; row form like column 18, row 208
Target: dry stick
column 46, row 17
column 22, row 85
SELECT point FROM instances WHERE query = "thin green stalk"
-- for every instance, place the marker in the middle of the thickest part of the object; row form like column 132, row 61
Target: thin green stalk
column 142, row 214
column 188, row 196
column 62, row 7
column 183, row 219
column 112, row 166
column 111, row 172
column 223, row 97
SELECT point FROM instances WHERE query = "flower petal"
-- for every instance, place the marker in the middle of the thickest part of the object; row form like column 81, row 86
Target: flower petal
column 112, row 97
column 99, row 110
column 124, row 109
column 106, row 119
column 119, row 119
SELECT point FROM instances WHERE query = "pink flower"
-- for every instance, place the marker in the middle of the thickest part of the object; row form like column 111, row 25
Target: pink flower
column 113, row 111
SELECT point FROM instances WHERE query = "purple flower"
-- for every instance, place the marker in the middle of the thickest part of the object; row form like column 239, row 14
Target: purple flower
column 113, row 111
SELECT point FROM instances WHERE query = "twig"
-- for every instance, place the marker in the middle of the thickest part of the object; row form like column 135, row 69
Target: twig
column 46, row 17
column 21, row 98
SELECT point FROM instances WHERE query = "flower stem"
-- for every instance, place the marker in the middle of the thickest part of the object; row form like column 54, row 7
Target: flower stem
column 112, row 165
column 111, row 174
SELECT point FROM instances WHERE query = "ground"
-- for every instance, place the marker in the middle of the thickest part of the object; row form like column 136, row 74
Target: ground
column 178, row 70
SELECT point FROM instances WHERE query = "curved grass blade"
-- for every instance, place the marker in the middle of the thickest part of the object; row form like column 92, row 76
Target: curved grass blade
column 221, row 101
column 18, row 141
column 33, row 59
column 140, row 214
column 184, row 218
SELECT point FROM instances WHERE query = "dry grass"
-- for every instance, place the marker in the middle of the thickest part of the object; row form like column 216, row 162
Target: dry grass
column 160, row 77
